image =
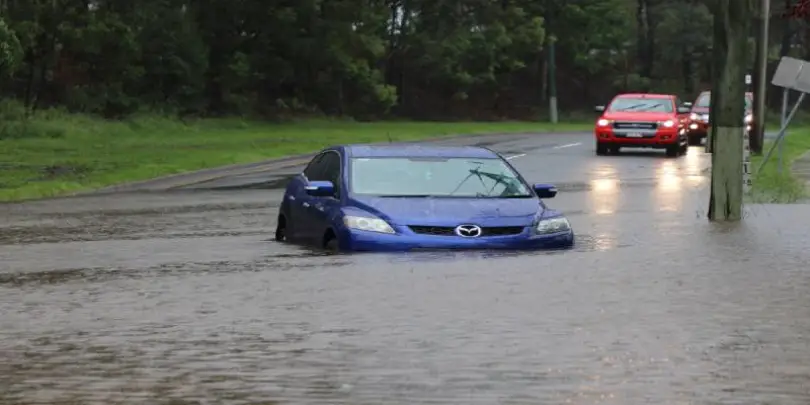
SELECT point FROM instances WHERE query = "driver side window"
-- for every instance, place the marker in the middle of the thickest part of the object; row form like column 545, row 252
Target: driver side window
column 315, row 168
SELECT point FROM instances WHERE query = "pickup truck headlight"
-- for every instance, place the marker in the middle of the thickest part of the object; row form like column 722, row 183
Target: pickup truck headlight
column 552, row 225
column 602, row 122
column 668, row 123
column 694, row 117
column 367, row 224
column 749, row 118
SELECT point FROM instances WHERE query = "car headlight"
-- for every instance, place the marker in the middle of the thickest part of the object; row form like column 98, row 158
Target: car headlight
column 668, row 123
column 694, row 117
column 748, row 119
column 602, row 122
column 367, row 224
column 552, row 225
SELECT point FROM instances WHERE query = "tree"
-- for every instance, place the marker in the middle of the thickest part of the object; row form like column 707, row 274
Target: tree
column 731, row 27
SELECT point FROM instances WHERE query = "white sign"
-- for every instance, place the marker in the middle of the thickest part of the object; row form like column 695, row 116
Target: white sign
column 746, row 162
column 747, row 79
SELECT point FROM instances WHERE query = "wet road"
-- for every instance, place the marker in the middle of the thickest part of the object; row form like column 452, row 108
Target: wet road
column 181, row 298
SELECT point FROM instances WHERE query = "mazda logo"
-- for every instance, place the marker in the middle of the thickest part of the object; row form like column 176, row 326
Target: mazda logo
column 468, row 231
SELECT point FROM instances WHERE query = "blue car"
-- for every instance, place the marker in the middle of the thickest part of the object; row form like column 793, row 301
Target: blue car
column 415, row 197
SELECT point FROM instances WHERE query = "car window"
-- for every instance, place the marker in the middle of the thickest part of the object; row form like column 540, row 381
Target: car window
column 639, row 104
column 314, row 170
column 704, row 100
column 331, row 169
column 436, row 177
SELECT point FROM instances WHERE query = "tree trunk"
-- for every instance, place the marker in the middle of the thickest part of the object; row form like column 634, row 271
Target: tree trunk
column 732, row 25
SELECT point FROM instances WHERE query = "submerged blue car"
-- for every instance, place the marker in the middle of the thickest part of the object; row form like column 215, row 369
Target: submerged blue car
column 413, row 197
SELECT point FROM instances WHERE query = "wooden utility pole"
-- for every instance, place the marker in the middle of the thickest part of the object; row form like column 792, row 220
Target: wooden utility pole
column 757, row 136
column 732, row 23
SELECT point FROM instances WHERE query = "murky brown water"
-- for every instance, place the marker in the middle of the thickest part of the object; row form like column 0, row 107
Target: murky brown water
column 154, row 301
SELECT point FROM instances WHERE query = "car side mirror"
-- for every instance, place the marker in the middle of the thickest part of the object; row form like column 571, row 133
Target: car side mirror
column 599, row 108
column 545, row 190
column 684, row 110
column 320, row 188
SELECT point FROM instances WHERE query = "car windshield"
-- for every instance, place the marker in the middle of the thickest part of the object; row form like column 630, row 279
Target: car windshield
column 639, row 104
column 705, row 101
column 435, row 177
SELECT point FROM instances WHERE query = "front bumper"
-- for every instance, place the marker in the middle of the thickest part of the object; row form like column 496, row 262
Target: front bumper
column 363, row 241
column 701, row 129
column 661, row 138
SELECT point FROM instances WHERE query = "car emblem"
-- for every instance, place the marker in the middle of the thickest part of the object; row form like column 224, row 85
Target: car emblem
column 468, row 231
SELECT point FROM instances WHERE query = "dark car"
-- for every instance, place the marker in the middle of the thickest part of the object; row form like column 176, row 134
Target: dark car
column 699, row 123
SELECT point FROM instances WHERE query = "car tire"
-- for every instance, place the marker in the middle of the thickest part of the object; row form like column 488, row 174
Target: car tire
column 281, row 229
column 331, row 242
column 601, row 149
column 614, row 150
column 674, row 150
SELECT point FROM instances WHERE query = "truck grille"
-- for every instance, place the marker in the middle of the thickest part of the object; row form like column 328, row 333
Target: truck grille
column 640, row 126
column 450, row 230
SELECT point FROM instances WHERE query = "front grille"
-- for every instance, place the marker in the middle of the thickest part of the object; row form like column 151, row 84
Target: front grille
column 451, row 230
column 635, row 125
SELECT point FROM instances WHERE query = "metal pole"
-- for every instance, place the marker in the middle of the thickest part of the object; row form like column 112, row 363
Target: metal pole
column 762, row 71
column 785, row 96
column 781, row 131
column 552, row 81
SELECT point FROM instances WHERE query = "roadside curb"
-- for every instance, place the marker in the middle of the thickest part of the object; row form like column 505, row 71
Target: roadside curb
column 185, row 179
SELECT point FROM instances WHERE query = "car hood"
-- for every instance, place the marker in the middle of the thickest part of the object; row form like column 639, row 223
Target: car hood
column 637, row 116
column 700, row 110
column 454, row 211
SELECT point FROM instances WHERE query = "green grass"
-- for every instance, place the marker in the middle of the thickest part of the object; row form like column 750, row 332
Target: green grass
column 56, row 154
column 770, row 185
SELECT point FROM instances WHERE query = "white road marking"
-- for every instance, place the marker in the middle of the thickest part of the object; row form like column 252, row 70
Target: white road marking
column 568, row 145
column 516, row 156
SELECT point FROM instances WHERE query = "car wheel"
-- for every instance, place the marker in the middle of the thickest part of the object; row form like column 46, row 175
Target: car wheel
column 331, row 243
column 614, row 150
column 281, row 229
column 673, row 150
column 601, row 149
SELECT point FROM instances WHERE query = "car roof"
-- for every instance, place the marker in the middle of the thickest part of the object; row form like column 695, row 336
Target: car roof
column 645, row 95
column 418, row 150
column 747, row 93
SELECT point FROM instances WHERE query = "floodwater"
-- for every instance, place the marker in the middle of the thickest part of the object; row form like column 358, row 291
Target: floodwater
column 182, row 298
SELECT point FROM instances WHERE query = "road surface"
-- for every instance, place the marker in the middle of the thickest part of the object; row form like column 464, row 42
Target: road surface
column 180, row 297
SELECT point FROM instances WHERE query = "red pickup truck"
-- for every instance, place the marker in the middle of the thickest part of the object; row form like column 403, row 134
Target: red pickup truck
column 656, row 121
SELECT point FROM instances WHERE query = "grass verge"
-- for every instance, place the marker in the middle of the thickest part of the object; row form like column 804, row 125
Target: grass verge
column 771, row 186
column 56, row 154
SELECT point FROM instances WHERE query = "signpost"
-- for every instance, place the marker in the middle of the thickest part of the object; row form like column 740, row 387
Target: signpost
column 791, row 74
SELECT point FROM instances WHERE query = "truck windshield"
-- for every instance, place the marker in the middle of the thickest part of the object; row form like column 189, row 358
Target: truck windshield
column 639, row 104
column 705, row 101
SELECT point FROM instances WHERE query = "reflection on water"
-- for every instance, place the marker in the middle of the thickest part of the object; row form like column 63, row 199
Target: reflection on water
column 693, row 167
column 604, row 195
column 668, row 193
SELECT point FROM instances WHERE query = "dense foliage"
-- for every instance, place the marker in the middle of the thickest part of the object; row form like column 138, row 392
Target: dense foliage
column 425, row 59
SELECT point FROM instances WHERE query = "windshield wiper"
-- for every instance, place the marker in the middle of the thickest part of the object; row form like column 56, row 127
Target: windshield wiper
column 473, row 172
column 635, row 106
column 507, row 181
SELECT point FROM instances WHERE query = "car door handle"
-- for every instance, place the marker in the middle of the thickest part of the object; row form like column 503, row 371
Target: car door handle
column 305, row 204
